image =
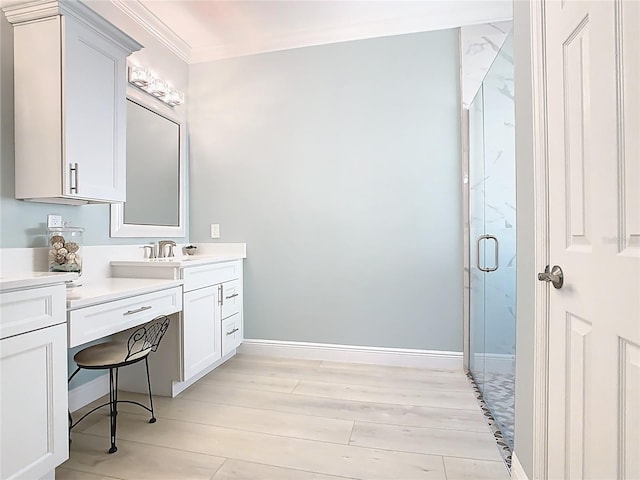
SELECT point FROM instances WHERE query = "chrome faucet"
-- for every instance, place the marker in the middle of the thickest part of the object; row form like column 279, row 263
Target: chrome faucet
column 161, row 248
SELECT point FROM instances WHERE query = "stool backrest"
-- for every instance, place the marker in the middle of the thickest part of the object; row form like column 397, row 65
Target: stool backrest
column 145, row 339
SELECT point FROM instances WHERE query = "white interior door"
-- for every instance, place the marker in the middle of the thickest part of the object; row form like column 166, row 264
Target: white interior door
column 593, row 104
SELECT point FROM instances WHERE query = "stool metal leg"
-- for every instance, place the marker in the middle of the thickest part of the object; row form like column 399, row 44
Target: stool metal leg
column 153, row 415
column 69, row 411
column 112, row 409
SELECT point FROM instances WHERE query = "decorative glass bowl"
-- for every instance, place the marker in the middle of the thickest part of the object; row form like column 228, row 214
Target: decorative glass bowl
column 65, row 249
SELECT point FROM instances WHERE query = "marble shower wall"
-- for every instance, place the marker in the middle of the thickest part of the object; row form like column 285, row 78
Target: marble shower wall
column 479, row 46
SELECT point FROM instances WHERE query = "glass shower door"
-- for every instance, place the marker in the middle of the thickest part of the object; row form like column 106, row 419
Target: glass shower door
column 476, row 229
column 493, row 240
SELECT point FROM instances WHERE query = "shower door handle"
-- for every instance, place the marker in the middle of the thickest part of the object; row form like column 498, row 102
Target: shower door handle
column 486, row 237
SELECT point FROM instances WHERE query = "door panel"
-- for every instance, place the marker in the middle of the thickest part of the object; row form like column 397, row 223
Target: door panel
column 593, row 78
column 627, row 19
column 575, row 77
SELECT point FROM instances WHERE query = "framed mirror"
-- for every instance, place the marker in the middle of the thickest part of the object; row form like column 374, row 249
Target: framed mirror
column 155, row 203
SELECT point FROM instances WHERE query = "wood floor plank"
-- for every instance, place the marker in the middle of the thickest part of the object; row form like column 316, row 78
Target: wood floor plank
column 468, row 469
column 137, row 461
column 297, row 454
column 296, row 425
column 68, row 474
column 409, row 415
column 454, row 443
column 258, row 382
column 397, row 396
column 239, row 470
column 400, row 378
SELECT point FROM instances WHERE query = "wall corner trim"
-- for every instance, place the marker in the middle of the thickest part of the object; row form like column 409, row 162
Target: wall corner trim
column 399, row 357
column 517, row 471
column 88, row 392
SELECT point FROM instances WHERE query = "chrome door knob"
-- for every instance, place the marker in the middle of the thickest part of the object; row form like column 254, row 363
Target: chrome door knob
column 555, row 276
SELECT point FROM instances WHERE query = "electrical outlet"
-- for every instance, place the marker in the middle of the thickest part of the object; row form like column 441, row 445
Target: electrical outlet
column 215, row 230
column 54, row 221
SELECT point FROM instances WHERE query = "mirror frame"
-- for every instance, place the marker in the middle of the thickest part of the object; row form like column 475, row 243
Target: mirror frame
column 121, row 229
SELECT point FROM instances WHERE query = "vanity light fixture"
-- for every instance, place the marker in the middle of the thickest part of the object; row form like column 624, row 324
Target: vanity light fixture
column 142, row 78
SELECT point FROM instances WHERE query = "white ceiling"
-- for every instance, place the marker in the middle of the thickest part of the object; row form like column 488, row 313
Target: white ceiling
column 205, row 30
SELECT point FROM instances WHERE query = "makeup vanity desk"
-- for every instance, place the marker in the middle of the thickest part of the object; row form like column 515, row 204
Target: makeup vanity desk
column 203, row 293
column 112, row 305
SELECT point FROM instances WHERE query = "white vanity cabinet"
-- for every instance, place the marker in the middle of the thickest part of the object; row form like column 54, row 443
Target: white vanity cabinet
column 33, row 368
column 212, row 296
column 211, row 322
column 70, row 103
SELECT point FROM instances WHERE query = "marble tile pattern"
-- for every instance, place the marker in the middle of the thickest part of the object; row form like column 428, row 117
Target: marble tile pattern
column 479, row 46
column 272, row 418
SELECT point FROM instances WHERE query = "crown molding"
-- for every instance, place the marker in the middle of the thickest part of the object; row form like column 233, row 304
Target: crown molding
column 357, row 31
column 452, row 17
column 152, row 24
column 18, row 13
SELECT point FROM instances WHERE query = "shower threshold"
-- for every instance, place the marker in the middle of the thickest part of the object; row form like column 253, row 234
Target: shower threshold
column 503, row 446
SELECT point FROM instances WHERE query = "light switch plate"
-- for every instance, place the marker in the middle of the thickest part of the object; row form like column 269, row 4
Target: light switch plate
column 215, row 230
column 54, row 221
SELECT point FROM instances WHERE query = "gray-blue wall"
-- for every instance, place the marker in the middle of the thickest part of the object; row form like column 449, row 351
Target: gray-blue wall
column 339, row 166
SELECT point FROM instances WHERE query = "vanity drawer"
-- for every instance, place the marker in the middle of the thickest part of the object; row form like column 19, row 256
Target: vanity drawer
column 31, row 309
column 231, row 298
column 231, row 333
column 207, row 275
column 98, row 321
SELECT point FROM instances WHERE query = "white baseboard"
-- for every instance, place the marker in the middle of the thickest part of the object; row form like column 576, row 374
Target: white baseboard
column 348, row 353
column 88, row 392
column 517, row 472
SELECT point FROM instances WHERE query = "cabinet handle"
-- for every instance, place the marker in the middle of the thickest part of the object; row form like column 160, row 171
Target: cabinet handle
column 73, row 178
column 219, row 295
column 137, row 310
column 231, row 296
column 233, row 331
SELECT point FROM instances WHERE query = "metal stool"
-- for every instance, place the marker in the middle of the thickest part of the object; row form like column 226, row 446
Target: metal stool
column 112, row 356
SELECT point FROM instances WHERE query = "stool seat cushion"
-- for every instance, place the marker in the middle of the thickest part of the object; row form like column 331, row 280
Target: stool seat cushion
column 105, row 354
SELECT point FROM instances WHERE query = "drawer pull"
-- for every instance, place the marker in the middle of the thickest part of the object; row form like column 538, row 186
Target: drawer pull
column 137, row 310
column 231, row 296
column 233, row 331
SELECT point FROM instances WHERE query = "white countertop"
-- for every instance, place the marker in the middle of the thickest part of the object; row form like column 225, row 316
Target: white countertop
column 14, row 281
column 179, row 262
column 109, row 289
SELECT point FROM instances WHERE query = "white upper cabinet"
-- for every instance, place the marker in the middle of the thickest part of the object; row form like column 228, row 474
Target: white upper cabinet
column 70, row 103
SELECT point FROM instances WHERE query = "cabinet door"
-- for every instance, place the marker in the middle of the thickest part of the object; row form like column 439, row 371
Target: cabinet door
column 200, row 329
column 33, row 403
column 231, row 333
column 94, row 103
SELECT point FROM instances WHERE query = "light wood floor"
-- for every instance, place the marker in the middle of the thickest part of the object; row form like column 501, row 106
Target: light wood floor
column 263, row 418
